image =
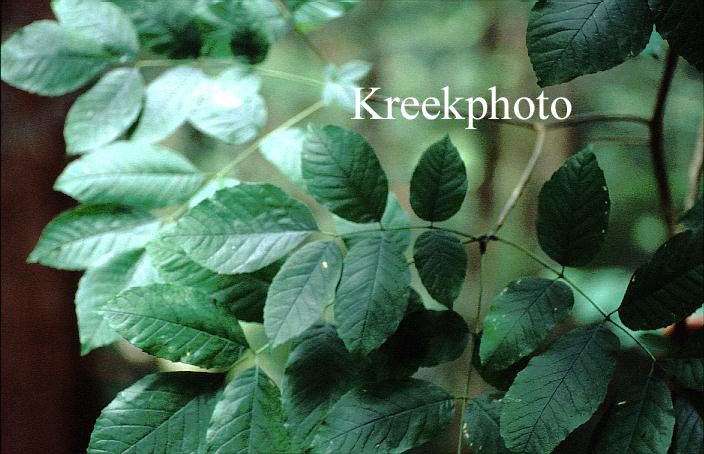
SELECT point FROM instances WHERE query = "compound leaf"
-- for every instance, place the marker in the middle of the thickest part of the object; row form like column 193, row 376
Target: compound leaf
column 386, row 417
column 439, row 182
column 248, row 417
column 343, row 173
column 441, row 262
column 521, row 317
column 573, row 211
column 176, row 323
column 163, row 412
column 569, row 38
column 133, row 174
column 669, row 287
column 481, row 425
column 558, row 391
column 301, row 290
column 89, row 235
column 372, row 295
column 680, row 23
column 243, row 228
column 104, row 112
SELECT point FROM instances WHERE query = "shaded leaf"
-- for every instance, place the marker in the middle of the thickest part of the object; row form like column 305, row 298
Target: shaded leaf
column 439, row 182
column 689, row 429
column 343, row 173
column 481, row 425
column 500, row 379
column 694, row 217
column 573, row 211
column 441, row 262
column 680, row 22
column 686, row 363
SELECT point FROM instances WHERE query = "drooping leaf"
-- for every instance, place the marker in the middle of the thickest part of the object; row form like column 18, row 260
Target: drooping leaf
column 229, row 107
column 669, row 287
column 301, row 290
column 341, row 82
column 135, row 174
column 343, row 173
column 481, row 425
column 641, row 422
column 680, row 23
column 501, row 379
column 243, row 229
column 520, row 319
column 569, row 38
column 439, row 182
column 686, row 363
column 243, row 295
column 694, row 217
column 163, row 412
column 372, row 295
column 176, row 323
column 89, row 235
column 101, row 284
column 283, row 149
column 309, row 390
column 558, row 391
column 104, row 112
column 441, row 262
column 394, row 226
column 573, row 211
column 248, row 417
column 48, row 59
column 99, row 21
column 689, row 429
column 385, row 417
column 168, row 101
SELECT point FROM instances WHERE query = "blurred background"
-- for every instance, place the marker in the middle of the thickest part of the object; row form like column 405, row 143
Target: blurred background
column 51, row 395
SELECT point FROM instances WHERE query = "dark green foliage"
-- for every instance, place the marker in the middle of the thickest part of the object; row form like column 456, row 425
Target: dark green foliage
column 481, row 425
column 680, row 22
column 441, row 262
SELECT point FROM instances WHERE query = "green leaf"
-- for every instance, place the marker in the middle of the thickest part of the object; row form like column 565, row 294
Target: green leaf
column 520, row 319
column 101, row 284
column 669, row 287
column 48, row 59
column 558, row 391
column 481, row 425
column 573, row 211
column 176, row 323
column 301, row 290
column 694, row 217
column 309, row 390
column 89, row 235
column 343, row 173
column 501, row 379
column 386, row 417
column 283, row 149
column 243, row 229
column 641, row 422
column 103, row 113
column 164, row 412
column 394, row 222
column 441, row 262
column 686, row 363
column 135, row 174
column 210, row 188
column 248, row 417
column 689, row 429
column 99, row 21
column 568, row 38
column 439, row 182
column 243, row 295
column 372, row 295
column 680, row 22
column 340, row 83
column 310, row 14
column 168, row 101
column 229, row 107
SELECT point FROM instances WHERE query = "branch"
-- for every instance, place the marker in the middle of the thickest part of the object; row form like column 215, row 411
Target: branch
column 286, row 12
column 695, row 170
column 657, row 143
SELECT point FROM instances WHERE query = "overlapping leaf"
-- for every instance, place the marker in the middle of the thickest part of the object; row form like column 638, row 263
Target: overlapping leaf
column 164, row 412
column 441, row 262
column 521, row 317
column 481, row 425
column 573, row 211
column 91, row 234
column 669, row 287
column 243, row 229
column 393, row 226
column 176, row 323
column 680, row 23
column 569, row 38
column 686, row 363
column 284, row 149
column 343, row 173
column 689, row 429
column 558, row 391
column 372, row 295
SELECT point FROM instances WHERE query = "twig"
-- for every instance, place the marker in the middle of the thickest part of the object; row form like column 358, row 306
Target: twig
column 657, row 143
column 695, row 170
column 286, row 12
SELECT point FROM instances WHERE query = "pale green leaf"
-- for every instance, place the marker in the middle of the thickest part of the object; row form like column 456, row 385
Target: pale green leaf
column 441, row 262
column 283, row 149
column 310, row 14
column 481, row 425
column 210, row 188
column 340, row 82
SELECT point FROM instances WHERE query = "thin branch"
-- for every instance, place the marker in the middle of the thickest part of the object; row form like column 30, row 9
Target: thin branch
column 288, row 16
column 695, row 170
column 657, row 143
column 523, row 181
